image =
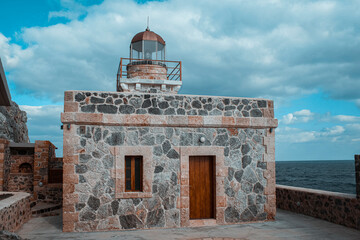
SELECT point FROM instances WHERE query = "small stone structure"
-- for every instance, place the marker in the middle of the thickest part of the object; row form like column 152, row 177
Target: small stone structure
column 130, row 156
column 26, row 167
column 14, row 211
column 101, row 128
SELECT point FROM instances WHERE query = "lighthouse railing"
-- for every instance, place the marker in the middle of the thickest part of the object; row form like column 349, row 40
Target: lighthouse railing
column 173, row 68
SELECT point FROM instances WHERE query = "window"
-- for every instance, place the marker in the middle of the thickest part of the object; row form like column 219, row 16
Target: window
column 133, row 173
column 133, row 178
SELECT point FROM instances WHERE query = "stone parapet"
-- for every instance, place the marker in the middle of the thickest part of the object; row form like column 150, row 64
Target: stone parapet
column 339, row 208
column 14, row 211
column 167, row 104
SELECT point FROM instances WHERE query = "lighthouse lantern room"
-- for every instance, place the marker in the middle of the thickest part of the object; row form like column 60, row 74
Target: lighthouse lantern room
column 147, row 69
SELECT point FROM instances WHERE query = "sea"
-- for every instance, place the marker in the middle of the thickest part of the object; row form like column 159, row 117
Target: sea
column 334, row 176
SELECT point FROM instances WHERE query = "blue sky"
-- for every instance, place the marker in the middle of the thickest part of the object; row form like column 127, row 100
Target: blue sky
column 303, row 54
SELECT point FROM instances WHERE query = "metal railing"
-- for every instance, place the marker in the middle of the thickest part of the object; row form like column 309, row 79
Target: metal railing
column 173, row 68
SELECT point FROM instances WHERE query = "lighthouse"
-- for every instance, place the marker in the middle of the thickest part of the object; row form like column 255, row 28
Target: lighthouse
column 147, row 70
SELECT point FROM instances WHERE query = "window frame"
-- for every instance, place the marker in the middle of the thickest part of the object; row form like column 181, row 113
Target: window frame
column 118, row 173
column 133, row 176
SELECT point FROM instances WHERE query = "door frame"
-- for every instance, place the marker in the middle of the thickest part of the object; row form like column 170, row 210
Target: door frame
column 221, row 171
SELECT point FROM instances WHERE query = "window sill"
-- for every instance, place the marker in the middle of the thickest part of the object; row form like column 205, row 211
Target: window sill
column 134, row 195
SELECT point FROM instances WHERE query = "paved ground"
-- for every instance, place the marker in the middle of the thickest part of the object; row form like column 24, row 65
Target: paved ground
column 287, row 226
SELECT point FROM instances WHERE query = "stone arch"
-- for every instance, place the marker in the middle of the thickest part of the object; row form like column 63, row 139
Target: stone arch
column 25, row 168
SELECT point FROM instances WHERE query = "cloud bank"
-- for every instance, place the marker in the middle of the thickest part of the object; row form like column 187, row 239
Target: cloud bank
column 277, row 49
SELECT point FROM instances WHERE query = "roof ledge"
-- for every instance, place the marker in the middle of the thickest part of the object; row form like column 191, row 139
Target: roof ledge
column 5, row 97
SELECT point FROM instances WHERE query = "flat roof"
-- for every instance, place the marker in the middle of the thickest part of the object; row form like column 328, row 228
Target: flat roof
column 21, row 145
column 5, row 97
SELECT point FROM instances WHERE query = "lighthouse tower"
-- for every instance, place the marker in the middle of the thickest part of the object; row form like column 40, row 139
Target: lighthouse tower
column 147, row 69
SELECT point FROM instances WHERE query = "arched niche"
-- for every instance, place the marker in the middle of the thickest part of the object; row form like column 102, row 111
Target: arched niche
column 25, row 168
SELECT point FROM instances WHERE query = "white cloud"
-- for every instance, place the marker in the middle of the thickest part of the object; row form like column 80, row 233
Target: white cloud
column 297, row 135
column 44, row 124
column 301, row 116
column 288, row 118
column 347, row 118
column 41, row 111
column 336, row 130
column 13, row 54
column 304, row 113
column 354, row 126
column 71, row 10
column 276, row 49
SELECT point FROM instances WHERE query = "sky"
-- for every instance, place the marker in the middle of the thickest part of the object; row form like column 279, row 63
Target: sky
column 305, row 55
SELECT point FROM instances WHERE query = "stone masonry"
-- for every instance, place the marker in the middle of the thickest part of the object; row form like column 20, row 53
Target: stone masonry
column 100, row 128
column 14, row 211
column 146, row 71
column 4, row 163
column 339, row 208
column 27, row 168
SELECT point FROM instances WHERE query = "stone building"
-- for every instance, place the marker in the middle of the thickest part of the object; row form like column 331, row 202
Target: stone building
column 147, row 157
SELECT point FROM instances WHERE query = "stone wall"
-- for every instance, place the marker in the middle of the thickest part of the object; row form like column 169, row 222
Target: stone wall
column 4, row 164
column 13, row 124
column 99, row 128
column 334, row 207
column 19, row 157
column 170, row 105
column 153, row 71
column 52, row 193
column 44, row 154
column 20, row 182
column 14, row 211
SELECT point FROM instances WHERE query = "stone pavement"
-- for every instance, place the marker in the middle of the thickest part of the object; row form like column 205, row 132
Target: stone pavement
column 288, row 225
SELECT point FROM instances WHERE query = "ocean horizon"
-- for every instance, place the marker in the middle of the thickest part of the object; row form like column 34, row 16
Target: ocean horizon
column 328, row 175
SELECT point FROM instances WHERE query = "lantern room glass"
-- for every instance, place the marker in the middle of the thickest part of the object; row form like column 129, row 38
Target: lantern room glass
column 147, row 50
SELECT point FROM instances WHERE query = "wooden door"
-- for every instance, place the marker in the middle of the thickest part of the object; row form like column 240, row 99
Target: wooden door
column 202, row 193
